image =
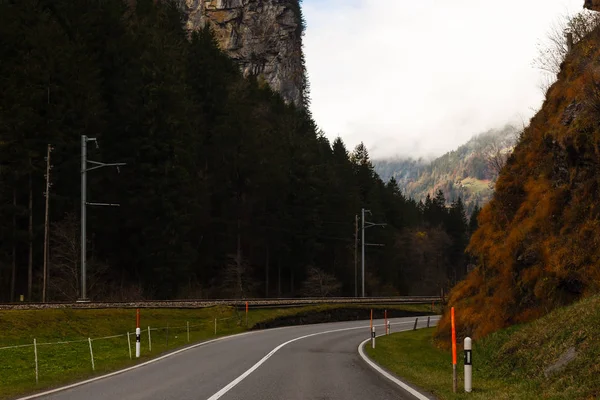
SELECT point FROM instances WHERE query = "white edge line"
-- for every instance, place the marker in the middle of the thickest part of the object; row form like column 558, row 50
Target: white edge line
column 395, row 380
column 62, row 388
column 240, row 378
column 218, row 394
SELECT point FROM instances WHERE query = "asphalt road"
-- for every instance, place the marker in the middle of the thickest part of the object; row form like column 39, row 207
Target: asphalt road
column 323, row 366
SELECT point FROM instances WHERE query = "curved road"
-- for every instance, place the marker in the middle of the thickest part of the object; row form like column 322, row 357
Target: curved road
column 319, row 362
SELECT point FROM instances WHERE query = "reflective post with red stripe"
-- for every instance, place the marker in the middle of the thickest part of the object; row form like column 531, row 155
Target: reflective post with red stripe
column 138, row 333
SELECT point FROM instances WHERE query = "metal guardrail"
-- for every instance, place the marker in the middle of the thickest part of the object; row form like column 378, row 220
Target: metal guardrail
column 201, row 303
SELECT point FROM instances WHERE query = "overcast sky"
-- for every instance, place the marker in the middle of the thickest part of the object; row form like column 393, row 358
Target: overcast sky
column 420, row 77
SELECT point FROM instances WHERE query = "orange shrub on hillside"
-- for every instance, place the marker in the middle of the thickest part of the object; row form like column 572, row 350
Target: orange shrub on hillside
column 538, row 242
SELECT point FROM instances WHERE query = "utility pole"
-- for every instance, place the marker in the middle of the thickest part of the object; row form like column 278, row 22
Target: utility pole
column 362, row 243
column 368, row 225
column 84, row 203
column 46, row 227
column 356, row 256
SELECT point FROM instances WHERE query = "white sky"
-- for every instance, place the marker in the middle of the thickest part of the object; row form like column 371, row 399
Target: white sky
column 420, row 77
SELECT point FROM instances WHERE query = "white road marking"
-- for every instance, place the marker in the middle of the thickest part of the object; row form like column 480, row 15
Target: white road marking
column 389, row 376
column 60, row 389
column 222, row 391
column 240, row 378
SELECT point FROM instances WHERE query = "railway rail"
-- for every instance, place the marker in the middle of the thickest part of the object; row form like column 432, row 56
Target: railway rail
column 203, row 303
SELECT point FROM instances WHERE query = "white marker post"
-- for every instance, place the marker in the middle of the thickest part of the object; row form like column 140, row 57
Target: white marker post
column 468, row 365
column 389, row 328
column 373, row 337
column 188, row 330
column 149, row 340
column 138, row 334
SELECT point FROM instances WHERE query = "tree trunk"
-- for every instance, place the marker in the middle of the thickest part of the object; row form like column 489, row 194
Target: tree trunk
column 267, row 273
column 238, row 257
column 30, row 264
column 13, row 278
column 279, row 278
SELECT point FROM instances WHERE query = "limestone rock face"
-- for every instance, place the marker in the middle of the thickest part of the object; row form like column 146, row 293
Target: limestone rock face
column 263, row 36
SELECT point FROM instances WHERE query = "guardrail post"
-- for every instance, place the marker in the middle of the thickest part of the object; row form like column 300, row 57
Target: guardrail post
column 373, row 337
column 415, row 327
column 468, row 365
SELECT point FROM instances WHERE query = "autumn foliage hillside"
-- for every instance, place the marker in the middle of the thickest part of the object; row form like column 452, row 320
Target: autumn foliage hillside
column 538, row 242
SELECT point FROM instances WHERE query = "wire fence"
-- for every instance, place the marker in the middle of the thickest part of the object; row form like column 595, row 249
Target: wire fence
column 46, row 360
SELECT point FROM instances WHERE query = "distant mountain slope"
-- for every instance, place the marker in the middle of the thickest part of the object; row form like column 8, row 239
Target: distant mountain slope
column 468, row 172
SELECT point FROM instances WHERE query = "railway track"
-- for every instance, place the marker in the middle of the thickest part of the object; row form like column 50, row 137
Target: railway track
column 202, row 303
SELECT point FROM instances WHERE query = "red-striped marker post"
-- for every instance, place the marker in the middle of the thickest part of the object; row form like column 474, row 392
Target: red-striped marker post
column 454, row 378
column 138, row 333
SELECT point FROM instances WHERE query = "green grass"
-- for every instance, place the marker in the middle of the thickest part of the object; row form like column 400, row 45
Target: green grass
column 63, row 363
column 508, row 364
column 476, row 185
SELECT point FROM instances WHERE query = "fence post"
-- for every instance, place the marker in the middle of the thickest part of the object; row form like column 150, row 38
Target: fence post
column 36, row 360
column 468, row 365
column 373, row 337
column 385, row 321
column 149, row 340
column 415, row 327
column 129, row 345
column 188, row 330
column 91, row 354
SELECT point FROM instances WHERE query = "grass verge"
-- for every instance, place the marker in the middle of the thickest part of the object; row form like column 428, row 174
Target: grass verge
column 515, row 363
column 62, row 363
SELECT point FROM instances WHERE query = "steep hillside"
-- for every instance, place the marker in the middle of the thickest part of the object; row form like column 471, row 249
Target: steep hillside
column 468, row 172
column 554, row 357
column 538, row 241
column 264, row 37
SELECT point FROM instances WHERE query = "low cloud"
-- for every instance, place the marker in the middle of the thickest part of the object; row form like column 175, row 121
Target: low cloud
column 418, row 78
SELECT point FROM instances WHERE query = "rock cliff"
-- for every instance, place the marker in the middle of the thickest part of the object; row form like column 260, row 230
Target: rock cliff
column 263, row 36
column 592, row 4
